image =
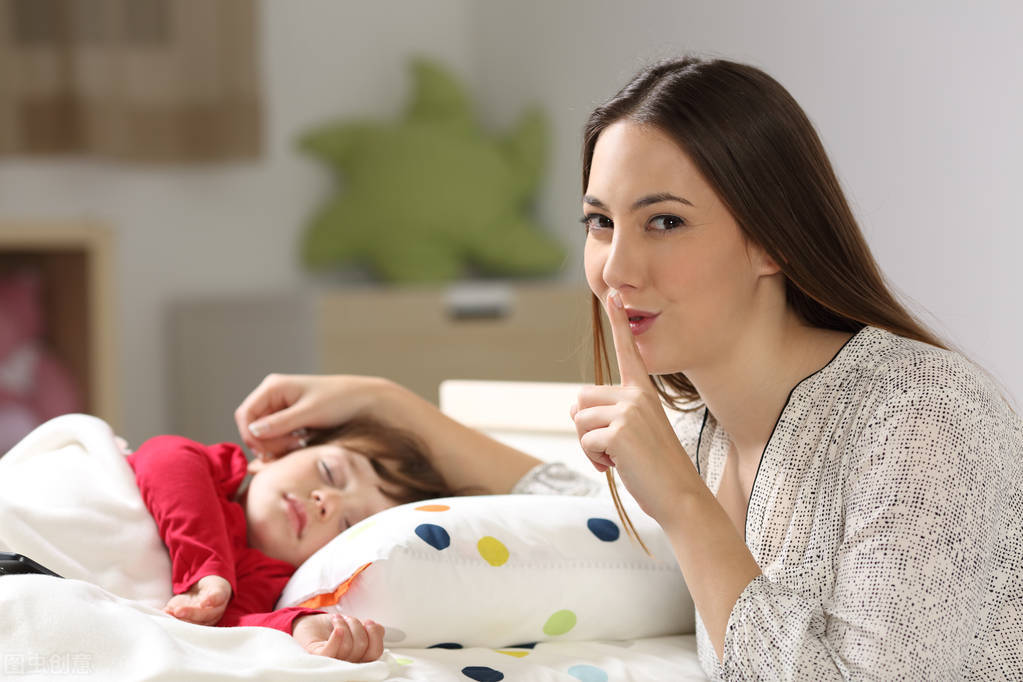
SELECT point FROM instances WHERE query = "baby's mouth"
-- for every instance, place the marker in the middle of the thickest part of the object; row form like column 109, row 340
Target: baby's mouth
column 296, row 514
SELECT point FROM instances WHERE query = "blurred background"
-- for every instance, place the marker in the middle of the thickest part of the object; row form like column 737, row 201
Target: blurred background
column 165, row 163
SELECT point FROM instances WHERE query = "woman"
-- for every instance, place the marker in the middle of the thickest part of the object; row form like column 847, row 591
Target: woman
column 842, row 492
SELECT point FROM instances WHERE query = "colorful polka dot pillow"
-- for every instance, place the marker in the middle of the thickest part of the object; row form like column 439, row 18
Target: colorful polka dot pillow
column 499, row 571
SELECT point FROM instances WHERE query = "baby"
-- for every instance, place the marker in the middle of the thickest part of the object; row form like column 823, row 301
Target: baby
column 233, row 547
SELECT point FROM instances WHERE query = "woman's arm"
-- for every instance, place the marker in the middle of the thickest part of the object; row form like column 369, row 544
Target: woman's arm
column 465, row 457
column 625, row 427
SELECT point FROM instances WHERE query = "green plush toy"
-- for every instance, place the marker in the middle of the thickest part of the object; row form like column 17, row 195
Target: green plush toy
column 432, row 197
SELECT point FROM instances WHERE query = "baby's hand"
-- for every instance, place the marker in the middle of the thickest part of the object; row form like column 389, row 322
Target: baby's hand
column 204, row 603
column 341, row 637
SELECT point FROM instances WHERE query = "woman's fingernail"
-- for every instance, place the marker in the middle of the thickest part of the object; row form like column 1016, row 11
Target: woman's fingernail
column 616, row 299
column 257, row 429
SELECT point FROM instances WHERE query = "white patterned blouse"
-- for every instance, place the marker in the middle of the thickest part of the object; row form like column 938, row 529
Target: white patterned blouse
column 887, row 518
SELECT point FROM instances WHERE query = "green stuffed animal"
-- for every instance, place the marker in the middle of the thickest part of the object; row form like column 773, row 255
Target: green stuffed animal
column 432, row 197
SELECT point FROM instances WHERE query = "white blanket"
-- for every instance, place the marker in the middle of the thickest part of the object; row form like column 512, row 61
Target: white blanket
column 68, row 500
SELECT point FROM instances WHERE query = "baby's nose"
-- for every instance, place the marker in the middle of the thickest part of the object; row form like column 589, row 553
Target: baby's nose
column 324, row 503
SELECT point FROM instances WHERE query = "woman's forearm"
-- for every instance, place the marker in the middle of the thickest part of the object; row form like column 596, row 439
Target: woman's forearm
column 715, row 561
column 465, row 457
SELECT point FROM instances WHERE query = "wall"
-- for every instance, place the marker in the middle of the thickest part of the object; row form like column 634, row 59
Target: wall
column 918, row 103
column 226, row 228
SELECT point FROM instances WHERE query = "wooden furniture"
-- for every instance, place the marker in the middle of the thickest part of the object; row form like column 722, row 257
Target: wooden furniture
column 76, row 262
column 420, row 337
column 221, row 348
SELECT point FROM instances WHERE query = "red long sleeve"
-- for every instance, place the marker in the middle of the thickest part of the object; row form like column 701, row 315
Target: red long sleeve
column 189, row 488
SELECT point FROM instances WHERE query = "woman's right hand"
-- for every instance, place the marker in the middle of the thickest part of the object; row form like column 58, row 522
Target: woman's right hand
column 270, row 418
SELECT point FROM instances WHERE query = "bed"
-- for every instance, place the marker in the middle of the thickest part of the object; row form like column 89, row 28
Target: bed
column 510, row 602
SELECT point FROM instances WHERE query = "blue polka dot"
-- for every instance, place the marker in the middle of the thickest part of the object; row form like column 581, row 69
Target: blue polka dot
column 445, row 645
column 433, row 535
column 527, row 645
column 587, row 673
column 605, row 529
column 482, row 673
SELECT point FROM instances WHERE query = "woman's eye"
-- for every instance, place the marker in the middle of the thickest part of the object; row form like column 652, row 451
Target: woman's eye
column 595, row 221
column 667, row 222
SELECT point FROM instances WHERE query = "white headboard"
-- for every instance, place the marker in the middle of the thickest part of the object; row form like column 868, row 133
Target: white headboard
column 531, row 416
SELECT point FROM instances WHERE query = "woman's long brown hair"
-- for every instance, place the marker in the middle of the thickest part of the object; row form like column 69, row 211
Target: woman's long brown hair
column 760, row 153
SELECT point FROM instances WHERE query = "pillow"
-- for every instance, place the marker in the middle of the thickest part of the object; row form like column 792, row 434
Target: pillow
column 500, row 570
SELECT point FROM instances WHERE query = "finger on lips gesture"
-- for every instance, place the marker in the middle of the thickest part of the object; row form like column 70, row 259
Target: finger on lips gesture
column 603, row 414
column 625, row 427
column 630, row 363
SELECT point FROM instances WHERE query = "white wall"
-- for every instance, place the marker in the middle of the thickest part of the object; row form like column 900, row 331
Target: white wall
column 920, row 105
column 227, row 228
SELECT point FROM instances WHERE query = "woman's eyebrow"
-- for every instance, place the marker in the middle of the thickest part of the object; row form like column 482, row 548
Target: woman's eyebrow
column 658, row 198
column 641, row 202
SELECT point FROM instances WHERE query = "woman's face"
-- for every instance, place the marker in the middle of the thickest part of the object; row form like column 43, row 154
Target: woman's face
column 297, row 504
column 658, row 234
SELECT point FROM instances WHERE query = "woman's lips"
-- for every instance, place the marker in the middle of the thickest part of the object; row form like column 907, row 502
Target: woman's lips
column 640, row 320
column 296, row 514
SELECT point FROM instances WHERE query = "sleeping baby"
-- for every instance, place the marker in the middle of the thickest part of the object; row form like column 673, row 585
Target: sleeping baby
column 233, row 547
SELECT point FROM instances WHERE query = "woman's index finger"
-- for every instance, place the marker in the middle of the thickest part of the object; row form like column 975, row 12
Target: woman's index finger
column 631, row 367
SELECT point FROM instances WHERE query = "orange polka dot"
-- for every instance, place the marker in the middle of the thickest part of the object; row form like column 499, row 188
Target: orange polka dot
column 433, row 507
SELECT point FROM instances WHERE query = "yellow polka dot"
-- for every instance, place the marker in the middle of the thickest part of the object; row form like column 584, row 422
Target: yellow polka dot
column 512, row 652
column 433, row 507
column 403, row 661
column 492, row 550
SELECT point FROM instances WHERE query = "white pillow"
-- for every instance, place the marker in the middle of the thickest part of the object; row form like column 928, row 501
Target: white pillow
column 499, row 571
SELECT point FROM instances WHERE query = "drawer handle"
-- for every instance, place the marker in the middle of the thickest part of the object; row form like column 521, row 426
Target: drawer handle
column 478, row 301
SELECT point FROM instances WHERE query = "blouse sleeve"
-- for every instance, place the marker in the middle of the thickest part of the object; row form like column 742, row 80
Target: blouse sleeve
column 920, row 525
column 554, row 478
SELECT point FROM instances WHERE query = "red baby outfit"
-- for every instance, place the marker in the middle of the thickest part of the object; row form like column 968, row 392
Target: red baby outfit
column 189, row 489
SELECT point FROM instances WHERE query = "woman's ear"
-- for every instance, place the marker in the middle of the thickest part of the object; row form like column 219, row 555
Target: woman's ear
column 763, row 264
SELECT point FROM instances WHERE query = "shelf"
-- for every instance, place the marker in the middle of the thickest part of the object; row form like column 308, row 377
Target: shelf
column 75, row 262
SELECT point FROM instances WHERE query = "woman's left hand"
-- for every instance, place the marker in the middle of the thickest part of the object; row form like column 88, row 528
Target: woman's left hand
column 625, row 427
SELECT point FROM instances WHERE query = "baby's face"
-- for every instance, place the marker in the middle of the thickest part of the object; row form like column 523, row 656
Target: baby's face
column 297, row 504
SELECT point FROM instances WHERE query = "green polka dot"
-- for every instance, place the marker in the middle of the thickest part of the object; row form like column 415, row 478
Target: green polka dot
column 403, row 661
column 559, row 623
column 359, row 528
column 492, row 550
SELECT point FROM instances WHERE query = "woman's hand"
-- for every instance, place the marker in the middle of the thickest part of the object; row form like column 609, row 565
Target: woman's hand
column 341, row 637
column 625, row 427
column 204, row 603
column 271, row 418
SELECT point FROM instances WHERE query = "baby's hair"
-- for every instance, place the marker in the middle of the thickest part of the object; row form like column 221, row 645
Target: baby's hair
column 397, row 456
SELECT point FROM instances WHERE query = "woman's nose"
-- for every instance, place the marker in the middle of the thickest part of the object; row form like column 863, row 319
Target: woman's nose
column 623, row 265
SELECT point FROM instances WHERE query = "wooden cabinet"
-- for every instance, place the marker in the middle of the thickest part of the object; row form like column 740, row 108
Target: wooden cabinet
column 418, row 337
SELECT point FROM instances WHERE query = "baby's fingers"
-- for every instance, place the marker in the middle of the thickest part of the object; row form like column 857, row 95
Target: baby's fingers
column 359, row 639
column 195, row 614
column 376, row 641
column 213, row 599
column 337, row 643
